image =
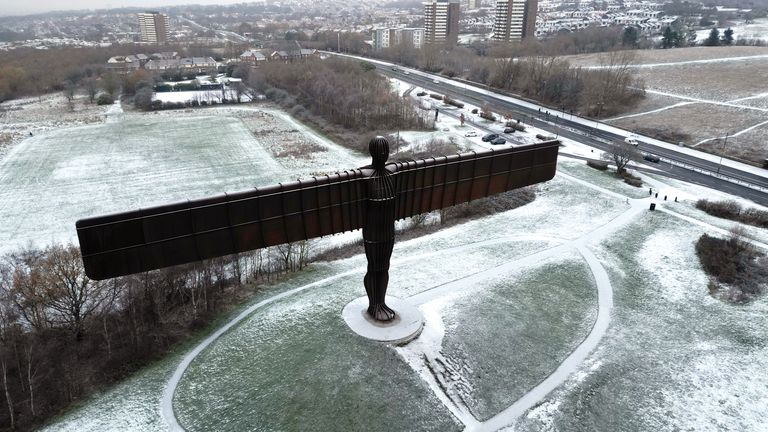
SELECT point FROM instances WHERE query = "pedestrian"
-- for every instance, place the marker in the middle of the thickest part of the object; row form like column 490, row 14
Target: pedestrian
column 665, row 197
column 650, row 191
column 675, row 199
column 657, row 194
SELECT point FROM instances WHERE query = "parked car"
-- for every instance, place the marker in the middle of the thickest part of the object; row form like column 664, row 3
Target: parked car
column 631, row 140
column 509, row 130
column 490, row 137
column 651, row 158
column 470, row 134
column 498, row 141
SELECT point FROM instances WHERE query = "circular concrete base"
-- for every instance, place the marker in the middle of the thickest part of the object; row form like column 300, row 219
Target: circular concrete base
column 404, row 328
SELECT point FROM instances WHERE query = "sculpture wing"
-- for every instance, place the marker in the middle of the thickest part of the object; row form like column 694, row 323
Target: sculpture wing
column 431, row 184
column 147, row 239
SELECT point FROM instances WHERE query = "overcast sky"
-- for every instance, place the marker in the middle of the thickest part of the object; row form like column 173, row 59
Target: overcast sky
column 12, row 7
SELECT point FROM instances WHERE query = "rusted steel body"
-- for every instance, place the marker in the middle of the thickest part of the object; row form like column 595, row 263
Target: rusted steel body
column 147, row 239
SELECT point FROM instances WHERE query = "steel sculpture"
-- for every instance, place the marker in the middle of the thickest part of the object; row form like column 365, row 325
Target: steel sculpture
column 372, row 198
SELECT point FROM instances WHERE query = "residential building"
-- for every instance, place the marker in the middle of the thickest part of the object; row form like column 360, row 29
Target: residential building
column 192, row 64
column 441, row 22
column 515, row 20
column 390, row 37
column 291, row 55
column 154, row 27
column 253, row 57
column 413, row 37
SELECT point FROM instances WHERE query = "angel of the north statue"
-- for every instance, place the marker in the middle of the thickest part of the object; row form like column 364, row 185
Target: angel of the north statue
column 372, row 198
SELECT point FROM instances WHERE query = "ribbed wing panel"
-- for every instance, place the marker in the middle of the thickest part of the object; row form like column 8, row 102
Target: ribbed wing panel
column 152, row 238
column 431, row 184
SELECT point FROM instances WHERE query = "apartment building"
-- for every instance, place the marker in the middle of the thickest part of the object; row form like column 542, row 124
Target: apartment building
column 515, row 20
column 154, row 27
column 441, row 22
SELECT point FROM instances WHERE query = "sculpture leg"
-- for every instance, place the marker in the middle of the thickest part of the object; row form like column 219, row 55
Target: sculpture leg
column 377, row 279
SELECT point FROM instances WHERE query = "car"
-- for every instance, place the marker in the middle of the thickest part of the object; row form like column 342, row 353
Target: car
column 394, row 69
column 470, row 134
column 446, row 129
column 406, row 73
column 631, row 140
column 651, row 158
column 498, row 141
column 509, row 130
column 436, row 81
column 490, row 137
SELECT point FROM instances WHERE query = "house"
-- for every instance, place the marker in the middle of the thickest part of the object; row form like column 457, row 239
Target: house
column 291, row 55
column 123, row 64
column 253, row 57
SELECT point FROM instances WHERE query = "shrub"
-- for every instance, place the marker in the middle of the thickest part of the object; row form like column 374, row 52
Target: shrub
column 474, row 110
column 634, row 181
column 732, row 210
column 735, row 262
column 436, row 96
column 598, row 165
column 104, row 99
column 157, row 104
column 488, row 116
column 519, row 127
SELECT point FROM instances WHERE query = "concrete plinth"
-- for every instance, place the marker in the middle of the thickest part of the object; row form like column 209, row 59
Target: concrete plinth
column 404, row 328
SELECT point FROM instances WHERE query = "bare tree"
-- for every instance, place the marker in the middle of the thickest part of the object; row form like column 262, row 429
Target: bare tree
column 91, row 89
column 69, row 94
column 621, row 154
column 69, row 293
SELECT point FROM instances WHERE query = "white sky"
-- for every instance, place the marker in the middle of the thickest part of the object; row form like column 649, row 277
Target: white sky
column 10, row 7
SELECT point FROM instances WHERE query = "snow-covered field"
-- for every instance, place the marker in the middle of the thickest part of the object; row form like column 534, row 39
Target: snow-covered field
column 51, row 179
column 506, row 300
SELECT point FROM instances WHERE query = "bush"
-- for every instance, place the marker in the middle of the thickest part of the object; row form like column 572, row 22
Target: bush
column 732, row 210
column 735, row 262
column 436, row 96
column 157, row 104
column 104, row 99
column 636, row 182
column 488, row 116
column 452, row 102
column 474, row 110
column 598, row 165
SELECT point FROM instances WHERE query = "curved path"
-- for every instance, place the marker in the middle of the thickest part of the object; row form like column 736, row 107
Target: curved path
column 533, row 396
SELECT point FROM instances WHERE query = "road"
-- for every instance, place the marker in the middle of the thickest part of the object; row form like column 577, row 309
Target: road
column 683, row 164
column 227, row 35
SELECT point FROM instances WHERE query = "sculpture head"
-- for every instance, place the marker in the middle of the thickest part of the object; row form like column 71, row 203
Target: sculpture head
column 379, row 148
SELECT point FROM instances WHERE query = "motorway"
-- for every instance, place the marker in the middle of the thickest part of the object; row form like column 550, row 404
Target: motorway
column 674, row 164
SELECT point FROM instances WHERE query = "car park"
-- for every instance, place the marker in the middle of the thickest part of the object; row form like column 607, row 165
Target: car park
column 490, row 137
column 498, row 141
column 470, row 134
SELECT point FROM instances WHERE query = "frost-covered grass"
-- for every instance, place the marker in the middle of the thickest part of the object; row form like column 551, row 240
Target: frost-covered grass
column 674, row 358
column 605, row 179
column 297, row 366
column 50, row 180
column 505, row 341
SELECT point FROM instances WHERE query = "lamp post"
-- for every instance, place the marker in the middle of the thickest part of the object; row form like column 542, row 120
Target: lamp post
column 722, row 151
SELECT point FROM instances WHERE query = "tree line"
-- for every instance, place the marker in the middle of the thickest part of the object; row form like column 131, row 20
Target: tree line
column 64, row 336
column 347, row 95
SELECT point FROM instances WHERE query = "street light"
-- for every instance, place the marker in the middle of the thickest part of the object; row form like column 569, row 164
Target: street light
column 722, row 151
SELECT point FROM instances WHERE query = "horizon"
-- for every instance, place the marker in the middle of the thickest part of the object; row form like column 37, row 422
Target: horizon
column 47, row 6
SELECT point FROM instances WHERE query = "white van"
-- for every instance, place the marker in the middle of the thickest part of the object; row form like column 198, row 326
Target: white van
column 631, row 140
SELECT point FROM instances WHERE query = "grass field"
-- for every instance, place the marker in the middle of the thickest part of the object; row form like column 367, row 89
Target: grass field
column 50, row 180
column 709, row 92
